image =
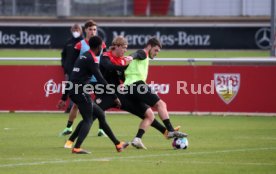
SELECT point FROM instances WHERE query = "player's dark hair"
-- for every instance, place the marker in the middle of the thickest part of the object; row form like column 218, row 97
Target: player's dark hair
column 154, row 42
column 89, row 23
column 95, row 42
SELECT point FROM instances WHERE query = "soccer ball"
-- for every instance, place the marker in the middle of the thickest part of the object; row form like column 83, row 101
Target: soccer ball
column 180, row 143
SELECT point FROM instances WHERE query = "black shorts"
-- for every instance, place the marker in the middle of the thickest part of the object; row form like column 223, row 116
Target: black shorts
column 105, row 101
column 135, row 107
column 139, row 91
column 85, row 105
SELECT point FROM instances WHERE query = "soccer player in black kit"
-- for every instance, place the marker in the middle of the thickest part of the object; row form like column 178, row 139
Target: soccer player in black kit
column 90, row 30
column 67, row 55
column 84, row 68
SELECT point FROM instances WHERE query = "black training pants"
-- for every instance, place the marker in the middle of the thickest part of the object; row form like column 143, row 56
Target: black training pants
column 89, row 112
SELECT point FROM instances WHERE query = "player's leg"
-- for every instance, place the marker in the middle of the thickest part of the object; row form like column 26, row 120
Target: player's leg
column 144, row 125
column 99, row 113
column 155, row 124
column 98, row 99
column 68, row 109
column 146, row 95
column 72, row 116
column 147, row 118
column 85, row 107
column 161, row 108
column 86, row 112
column 73, row 137
column 105, row 102
column 139, row 109
column 101, row 132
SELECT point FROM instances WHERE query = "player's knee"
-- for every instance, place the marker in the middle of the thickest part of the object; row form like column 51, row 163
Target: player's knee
column 74, row 107
column 160, row 104
column 101, row 118
column 149, row 114
column 88, row 121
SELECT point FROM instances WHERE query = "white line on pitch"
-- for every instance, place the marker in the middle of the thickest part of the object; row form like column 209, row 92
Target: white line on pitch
column 203, row 162
column 133, row 157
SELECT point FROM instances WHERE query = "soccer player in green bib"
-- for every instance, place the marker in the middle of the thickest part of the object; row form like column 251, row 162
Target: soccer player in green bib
column 137, row 89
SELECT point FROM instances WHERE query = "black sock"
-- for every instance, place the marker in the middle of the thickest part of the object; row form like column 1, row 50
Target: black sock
column 158, row 126
column 69, row 124
column 100, row 127
column 168, row 125
column 98, row 113
column 140, row 133
column 75, row 133
column 105, row 127
column 83, row 132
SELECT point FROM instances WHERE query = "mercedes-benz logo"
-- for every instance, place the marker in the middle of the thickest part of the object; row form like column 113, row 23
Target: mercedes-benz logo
column 262, row 38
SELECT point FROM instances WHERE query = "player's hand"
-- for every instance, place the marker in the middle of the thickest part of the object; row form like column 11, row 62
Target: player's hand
column 128, row 59
column 118, row 103
column 61, row 104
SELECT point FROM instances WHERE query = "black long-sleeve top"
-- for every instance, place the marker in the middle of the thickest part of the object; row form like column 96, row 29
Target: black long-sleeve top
column 86, row 66
column 68, row 55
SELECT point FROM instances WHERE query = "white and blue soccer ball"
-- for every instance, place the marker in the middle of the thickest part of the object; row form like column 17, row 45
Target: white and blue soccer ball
column 180, row 143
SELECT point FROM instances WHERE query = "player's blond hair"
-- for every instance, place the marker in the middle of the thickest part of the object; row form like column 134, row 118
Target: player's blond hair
column 118, row 41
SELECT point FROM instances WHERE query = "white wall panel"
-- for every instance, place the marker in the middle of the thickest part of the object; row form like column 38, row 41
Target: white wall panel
column 222, row 7
column 257, row 7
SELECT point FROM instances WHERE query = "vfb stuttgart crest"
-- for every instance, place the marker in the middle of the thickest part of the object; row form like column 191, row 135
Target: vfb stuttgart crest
column 227, row 86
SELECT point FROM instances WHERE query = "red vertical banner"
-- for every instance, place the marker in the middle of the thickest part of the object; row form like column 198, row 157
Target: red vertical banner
column 140, row 7
column 159, row 8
